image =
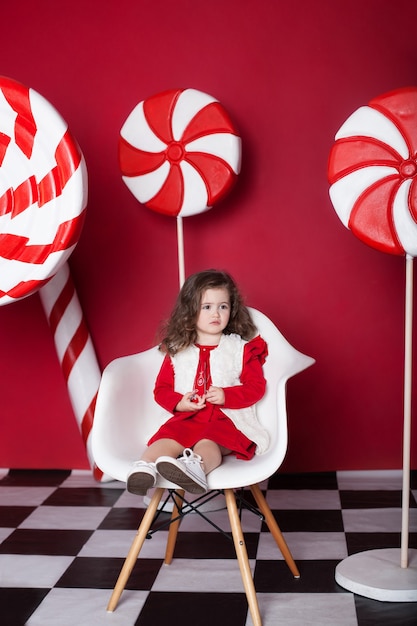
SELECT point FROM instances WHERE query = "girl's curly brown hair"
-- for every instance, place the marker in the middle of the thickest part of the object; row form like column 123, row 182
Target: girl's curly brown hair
column 180, row 329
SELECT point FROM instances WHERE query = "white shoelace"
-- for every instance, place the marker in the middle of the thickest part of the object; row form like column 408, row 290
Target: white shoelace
column 143, row 464
column 189, row 456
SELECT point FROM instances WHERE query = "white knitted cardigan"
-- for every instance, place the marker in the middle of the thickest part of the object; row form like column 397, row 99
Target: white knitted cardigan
column 226, row 362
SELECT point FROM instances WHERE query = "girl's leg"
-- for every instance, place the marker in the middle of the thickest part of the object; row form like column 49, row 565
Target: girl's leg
column 211, row 453
column 166, row 447
column 189, row 472
column 142, row 476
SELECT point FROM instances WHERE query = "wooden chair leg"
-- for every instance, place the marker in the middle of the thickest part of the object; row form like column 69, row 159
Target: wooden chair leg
column 242, row 557
column 135, row 549
column 174, row 526
column 274, row 529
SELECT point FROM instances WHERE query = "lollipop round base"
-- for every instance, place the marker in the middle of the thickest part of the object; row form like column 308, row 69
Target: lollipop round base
column 377, row 574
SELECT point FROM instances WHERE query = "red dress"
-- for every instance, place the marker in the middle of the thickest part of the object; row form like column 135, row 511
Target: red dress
column 210, row 422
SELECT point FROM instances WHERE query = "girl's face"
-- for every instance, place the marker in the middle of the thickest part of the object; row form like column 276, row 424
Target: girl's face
column 213, row 316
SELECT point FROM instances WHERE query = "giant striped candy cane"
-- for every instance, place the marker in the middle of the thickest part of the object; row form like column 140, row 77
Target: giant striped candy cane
column 43, row 197
column 75, row 351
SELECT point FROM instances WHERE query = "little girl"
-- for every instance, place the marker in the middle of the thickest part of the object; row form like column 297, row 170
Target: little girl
column 210, row 380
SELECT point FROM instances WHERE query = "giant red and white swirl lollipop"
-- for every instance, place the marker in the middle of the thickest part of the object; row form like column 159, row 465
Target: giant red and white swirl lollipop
column 373, row 172
column 179, row 154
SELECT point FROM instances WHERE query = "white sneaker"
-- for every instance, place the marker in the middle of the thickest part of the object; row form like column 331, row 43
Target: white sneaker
column 141, row 477
column 185, row 472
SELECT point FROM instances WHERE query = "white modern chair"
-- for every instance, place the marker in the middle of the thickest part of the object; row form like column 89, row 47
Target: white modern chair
column 127, row 415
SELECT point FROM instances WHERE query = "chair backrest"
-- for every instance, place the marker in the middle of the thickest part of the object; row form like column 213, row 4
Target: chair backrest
column 127, row 415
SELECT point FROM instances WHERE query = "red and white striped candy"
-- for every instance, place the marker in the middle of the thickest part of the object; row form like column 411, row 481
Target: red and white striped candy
column 43, row 196
column 179, row 152
column 75, row 351
column 43, row 191
column 373, row 172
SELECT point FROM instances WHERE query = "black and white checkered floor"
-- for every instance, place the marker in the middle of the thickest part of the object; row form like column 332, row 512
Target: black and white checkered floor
column 64, row 538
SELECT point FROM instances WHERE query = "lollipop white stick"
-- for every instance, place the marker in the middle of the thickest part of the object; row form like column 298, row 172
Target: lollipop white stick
column 181, row 263
column 75, row 352
column 407, row 410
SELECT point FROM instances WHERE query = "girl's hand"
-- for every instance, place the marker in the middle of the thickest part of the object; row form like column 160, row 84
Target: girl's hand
column 191, row 402
column 215, row 395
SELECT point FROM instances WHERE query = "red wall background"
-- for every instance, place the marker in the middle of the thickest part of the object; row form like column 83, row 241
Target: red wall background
column 289, row 74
